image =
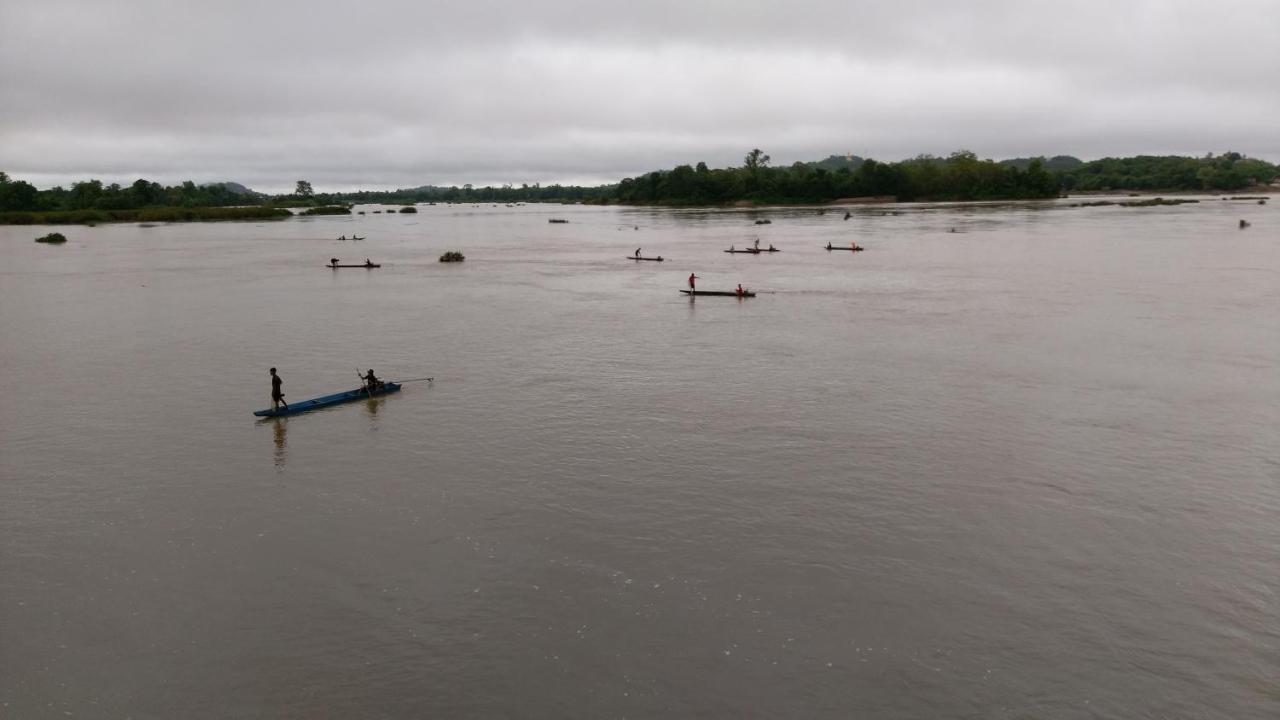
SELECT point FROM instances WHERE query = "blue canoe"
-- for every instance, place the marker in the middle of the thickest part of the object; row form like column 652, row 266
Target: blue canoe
column 327, row 400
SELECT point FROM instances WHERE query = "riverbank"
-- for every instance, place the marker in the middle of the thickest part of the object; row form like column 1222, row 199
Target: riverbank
column 156, row 214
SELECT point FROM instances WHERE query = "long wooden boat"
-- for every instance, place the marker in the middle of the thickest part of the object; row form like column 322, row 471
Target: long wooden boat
column 328, row 400
column 731, row 293
column 361, row 265
column 635, row 257
column 749, row 251
column 855, row 248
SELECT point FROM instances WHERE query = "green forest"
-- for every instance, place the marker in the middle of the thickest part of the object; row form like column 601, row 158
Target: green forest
column 962, row 176
column 959, row 176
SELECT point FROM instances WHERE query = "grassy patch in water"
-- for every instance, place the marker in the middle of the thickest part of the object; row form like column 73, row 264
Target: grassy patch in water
column 327, row 210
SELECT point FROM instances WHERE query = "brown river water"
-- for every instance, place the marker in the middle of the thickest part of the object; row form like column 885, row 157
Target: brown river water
column 1026, row 469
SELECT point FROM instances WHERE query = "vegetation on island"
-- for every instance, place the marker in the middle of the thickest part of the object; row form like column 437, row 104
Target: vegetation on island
column 142, row 215
column 1229, row 171
column 52, row 238
column 91, row 201
column 408, row 209
column 327, row 210
column 452, row 256
column 961, row 176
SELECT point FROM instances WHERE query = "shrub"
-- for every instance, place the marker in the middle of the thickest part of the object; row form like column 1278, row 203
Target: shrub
column 327, row 210
column 408, row 209
column 452, row 256
column 52, row 238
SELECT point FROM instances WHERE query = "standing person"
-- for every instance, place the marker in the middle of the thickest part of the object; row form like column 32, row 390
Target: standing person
column 692, row 277
column 757, row 243
column 277, row 392
column 740, row 290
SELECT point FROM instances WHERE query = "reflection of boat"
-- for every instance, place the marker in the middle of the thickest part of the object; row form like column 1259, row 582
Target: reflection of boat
column 749, row 251
column 328, row 400
column 637, row 257
column 361, row 265
column 731, row 293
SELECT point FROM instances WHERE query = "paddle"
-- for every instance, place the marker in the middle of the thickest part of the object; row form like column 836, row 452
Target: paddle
column 428, row 379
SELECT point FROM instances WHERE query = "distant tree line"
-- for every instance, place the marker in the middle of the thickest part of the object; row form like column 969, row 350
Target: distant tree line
column 960, row 176
column 93, row 195
column 469, row 194
column 1229, row 171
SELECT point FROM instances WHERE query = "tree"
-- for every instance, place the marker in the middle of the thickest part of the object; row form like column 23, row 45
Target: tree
column 19, row 195
column 755, row 160
column 303, row 190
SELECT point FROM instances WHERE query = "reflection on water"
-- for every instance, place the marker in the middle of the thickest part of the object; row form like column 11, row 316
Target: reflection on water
column 280, row 432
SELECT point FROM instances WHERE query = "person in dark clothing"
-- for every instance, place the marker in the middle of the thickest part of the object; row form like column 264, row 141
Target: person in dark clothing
column 692, row 277
column 637, row 252
column 277, row 392
column 372, row 383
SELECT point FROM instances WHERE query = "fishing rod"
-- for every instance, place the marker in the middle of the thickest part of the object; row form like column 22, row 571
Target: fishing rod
column 428, row 379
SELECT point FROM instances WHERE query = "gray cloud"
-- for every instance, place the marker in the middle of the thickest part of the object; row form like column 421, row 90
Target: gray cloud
column 386, row 93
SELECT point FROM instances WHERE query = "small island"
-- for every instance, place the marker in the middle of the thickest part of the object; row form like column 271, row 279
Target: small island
column 452, row 256
column 52, row 238
column 327, row 210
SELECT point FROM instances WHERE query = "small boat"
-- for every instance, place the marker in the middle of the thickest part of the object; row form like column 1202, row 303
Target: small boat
column 637, row 257
column 730, row 293
column 749, row 251
column 764, row 222
column 370, row 266
column 328, row 400
column 852, row 248
column 557, row 220
column 770, row 249
column 354, row 237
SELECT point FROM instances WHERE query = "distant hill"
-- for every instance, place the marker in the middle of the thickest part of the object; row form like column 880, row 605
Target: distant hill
column 836, row 162
column 1057, row 163
column 233, row 187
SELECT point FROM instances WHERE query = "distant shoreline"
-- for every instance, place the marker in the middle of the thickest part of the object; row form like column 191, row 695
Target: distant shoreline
column 259, row 213
column 156, row 214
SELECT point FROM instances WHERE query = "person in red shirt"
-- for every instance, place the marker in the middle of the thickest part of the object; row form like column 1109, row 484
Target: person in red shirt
column 692, row 277
column 740, row 291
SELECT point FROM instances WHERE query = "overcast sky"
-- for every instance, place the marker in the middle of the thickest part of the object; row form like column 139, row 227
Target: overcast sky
column 391, row 93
